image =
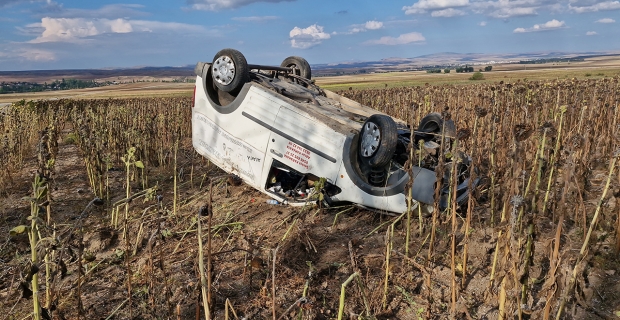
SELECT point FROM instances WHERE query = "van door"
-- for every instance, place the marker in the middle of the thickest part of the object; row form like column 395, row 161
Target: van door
column 237, row 141
column 305, row 145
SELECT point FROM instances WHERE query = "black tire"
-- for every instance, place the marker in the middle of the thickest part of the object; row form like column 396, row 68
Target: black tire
column 434, row 122
column 300, row 66
column 378, row 139
column 230, row 70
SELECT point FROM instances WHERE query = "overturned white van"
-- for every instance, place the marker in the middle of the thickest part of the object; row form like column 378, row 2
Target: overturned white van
column 285, row 136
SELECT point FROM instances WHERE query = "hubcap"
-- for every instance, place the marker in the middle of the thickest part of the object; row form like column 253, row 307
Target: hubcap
column 224, row 70
column 370, row 139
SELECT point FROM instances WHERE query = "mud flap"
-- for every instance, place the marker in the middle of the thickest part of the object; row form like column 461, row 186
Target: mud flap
column 423, row 188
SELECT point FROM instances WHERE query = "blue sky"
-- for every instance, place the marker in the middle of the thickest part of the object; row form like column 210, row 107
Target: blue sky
column 48, row 34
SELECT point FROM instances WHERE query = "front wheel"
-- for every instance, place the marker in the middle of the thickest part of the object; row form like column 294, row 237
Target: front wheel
column 230, row 70
column 378, row 139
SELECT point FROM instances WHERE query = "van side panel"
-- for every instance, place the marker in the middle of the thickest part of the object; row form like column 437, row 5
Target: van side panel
column 226, row 151
column 240, row 149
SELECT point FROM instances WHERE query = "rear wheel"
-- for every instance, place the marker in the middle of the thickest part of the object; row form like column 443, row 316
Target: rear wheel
column 230, row 70
column 300, row 66
column 433, row 123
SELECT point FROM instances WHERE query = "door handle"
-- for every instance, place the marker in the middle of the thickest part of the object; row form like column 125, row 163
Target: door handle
column 276, row 153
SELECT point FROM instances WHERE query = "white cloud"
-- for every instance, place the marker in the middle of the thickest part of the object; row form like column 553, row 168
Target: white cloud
column 216, row 5
column 76, row 29
column 406, row 38
column 549, row 25
column 369, row 25
column 7, row 2
column 482, row 23
column 599, row 6
column 401, row 23
column 68, row 30
column 37, row 55
column 307, row 37
column 606, row 20
column 505, row 13
column 82, row 42
column 553, row 24
column 28, row 54
column 500, row 9
column 447, row 13
column 158, row 26
column 503, row 9
column 556, row 8
column 591, row 33
column 112, row 11
column 255, row 18
column 373, row 25
column 49, row 7
column 423, row 6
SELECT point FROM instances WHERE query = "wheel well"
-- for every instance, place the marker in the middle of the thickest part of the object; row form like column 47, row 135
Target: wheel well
column 358, row 173
column 223, row 102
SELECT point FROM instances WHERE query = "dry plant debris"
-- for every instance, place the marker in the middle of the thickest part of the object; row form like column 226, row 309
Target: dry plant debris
column 120, row 201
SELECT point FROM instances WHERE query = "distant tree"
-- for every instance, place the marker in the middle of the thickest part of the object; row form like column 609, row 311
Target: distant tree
column 477, row 76
column 465, row 69
column 446, row 71
column 488, row 68
column 433, row 71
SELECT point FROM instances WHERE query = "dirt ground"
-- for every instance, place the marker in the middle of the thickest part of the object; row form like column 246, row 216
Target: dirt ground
column 315, row 251
column 142, row 89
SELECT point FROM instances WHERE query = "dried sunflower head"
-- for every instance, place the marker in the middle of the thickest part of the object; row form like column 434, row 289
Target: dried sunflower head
column 548, row 129
column 522, row 131
column 576, row 142
column 463, row 133
column 481, row 111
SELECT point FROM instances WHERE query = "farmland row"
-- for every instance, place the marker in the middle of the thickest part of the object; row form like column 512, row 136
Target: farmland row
column 545, row 151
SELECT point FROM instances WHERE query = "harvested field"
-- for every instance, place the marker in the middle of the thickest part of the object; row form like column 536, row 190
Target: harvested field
column 127, row 215
column 594, row 67
column 127, row 90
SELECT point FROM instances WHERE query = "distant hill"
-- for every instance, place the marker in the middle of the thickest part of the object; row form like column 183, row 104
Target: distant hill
column 436, row 60
column 440, row 60
column 125, row 74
